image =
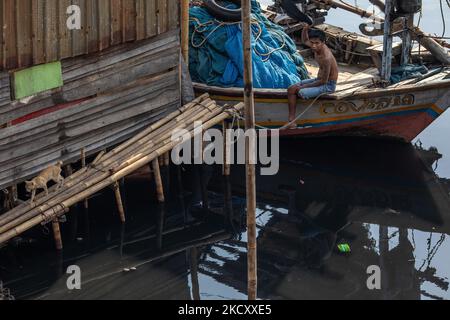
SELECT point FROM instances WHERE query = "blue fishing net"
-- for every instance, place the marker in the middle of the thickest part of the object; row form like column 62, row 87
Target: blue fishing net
column 216, row 52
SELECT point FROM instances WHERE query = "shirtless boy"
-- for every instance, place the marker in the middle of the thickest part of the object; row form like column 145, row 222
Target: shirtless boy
column 326, row 79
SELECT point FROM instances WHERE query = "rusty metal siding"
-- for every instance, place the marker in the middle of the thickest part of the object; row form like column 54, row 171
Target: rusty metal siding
column 34, row 31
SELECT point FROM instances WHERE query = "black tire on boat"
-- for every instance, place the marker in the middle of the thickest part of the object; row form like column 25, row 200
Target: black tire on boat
column 222, row 13
column 292, row 11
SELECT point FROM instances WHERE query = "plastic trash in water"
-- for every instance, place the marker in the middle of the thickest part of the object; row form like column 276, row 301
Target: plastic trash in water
column 344, row 248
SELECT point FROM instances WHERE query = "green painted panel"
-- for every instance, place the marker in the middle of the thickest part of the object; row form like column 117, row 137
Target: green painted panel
column 37, row 79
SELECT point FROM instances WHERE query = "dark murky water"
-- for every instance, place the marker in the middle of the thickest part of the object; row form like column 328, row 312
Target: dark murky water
column 377, row 197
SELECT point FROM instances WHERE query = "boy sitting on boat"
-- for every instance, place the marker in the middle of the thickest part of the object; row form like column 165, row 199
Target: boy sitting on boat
column 326, row 80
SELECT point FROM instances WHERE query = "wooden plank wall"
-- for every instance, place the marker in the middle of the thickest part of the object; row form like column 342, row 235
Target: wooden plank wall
column 35, row 32
column 5, row 94
column 107, row 97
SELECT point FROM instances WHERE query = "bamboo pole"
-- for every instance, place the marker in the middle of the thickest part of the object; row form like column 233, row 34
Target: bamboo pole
column 115, row 156
column 167, row 159
column 185, row 30
column 119, row 202
column 68, row 170
column 94, row 185
column 101, row 173
column 158, row 180
column 57, row 234
column 250, row 145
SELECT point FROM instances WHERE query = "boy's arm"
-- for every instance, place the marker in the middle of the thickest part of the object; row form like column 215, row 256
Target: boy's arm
column 305, row 37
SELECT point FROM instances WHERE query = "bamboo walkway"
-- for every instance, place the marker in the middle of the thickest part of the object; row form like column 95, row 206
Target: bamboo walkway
column 109, row 167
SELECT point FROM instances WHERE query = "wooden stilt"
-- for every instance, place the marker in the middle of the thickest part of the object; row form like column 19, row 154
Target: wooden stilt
column 185, row 30
column 386, row 67
column 119, row 202
column 68, row 170
column 250, row 145
column 226, row 170
column 194, row 274
column 11, row 198
column 57, row 234
column 123, row 192
column 83, row 165
column 158, row 181
column 161, row 161
column 167, row 159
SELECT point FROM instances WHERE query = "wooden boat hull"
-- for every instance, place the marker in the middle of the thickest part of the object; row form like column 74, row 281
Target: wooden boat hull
column 398, row 113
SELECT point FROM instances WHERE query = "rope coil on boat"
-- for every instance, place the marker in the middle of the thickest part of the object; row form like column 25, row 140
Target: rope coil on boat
column 201, row 28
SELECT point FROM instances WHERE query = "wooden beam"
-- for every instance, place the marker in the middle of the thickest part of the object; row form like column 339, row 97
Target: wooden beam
column 57, row 234
column 386, row 67
column 158, row 180
column 119, row 202
column 407, row 39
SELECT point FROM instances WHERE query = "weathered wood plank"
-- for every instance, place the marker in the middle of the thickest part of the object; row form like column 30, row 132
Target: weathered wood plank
column 64, row 39
column 79, row 37
column 104, row 28
column 38, row 40
column 92, row 146
column 101, row 75
column 2, row 46
column 74, row 145
column 92, row 26
column 24, row 34
column 10, row 33
column 129, row 20
column 151, row 18
column 86, row 109
column 140, row 19
column 51, row 30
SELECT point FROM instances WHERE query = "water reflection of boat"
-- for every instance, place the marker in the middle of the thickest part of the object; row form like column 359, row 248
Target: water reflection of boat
column 393, row 214
column 292, row 266
column 355, row 178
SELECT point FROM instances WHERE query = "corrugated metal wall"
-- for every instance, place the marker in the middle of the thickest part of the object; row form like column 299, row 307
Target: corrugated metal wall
column 35, row 31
